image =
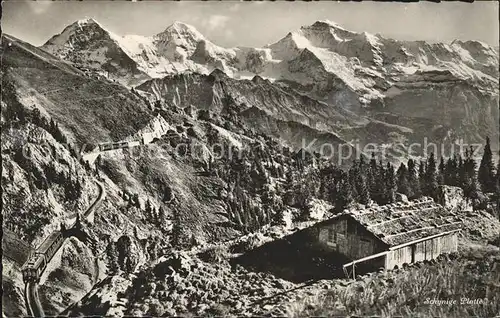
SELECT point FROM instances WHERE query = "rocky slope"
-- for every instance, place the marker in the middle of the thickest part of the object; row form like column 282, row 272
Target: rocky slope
column 44, row 182
column 256, row 105
column 300, row 121
column 45, row 121
column 79, row 103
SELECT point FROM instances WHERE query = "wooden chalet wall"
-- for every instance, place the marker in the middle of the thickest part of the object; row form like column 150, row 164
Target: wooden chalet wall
column 399, row 257
column 346, row 236
column 424, row 250
column 449, row 243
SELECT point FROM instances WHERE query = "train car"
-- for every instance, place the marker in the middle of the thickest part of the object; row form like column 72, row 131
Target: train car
column 50, row 246
column 113, row 145
column 107, row 147
column 121, row 144
column 38, row 260
column 103, row 147
column 33, row 268
column 124, row 143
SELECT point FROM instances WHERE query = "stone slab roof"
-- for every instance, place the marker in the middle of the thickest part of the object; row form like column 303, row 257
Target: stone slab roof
column 404, row 222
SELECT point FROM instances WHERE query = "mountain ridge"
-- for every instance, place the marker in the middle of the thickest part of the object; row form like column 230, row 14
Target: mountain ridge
column 172, row 49
column 363, row 73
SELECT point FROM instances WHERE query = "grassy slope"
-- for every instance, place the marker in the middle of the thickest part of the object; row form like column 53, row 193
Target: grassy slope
column 473, row 275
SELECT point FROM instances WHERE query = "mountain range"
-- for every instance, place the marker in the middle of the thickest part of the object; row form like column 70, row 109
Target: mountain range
column 450, row 91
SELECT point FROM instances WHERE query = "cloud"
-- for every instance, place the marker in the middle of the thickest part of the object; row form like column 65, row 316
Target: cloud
column 228, row 34
column 39, row 7
column 235, row 7
column 215, row 22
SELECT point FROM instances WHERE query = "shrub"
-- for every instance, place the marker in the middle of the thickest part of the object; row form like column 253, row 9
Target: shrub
column 218, row 254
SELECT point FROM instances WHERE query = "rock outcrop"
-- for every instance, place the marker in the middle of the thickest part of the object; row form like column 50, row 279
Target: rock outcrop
column 453, row 198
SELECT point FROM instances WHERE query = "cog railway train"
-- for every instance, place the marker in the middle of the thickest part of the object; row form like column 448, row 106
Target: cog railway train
column 146, row 138
column 113, row 145
column 38, row 260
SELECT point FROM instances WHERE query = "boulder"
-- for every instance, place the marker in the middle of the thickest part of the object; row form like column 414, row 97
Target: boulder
column 453, row 198
column 318, row 209
column 401, row 197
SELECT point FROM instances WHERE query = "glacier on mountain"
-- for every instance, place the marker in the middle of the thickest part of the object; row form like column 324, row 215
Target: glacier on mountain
column 361, row 72
column 313, row 56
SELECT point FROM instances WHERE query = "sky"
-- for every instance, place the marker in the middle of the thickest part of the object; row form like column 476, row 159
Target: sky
column 255, row 24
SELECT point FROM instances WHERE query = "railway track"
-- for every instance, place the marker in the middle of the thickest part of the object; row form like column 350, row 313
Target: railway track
column 37, row 263
column 33, row 305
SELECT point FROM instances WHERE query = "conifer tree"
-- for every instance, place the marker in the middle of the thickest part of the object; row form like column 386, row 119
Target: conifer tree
column 343, row 192
column 373, row 162
column 148, row 210
column 112, row 254
column 129, row 267
column 352, row 177
column 441, row 171
column 486, row 173
column 430, row 183
column 53, row 126
column 328, row 175
column 469, row 176
column 413, row 184
column 498, row 172
column 176, row 228
column 389, row 184
column 363, row 192
column 362, row 165
column 450, row 173
column 361, row 179
column 421, row 177
column 461, row 172
column 497, row 189
column 374, row 183
column 278, row 218
column 377, row 189
column 402, row 180
column 167, row 193
column 36, row 116
column 161, row 215
column 135, row 201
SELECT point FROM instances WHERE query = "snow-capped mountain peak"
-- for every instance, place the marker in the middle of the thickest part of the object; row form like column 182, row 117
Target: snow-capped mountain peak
column 178, row 41
column 329, row 23
column 180, row 29
column 328, row 26
column 86, row 21
column 79, row 31
column 90, row 46
column 324, row 57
